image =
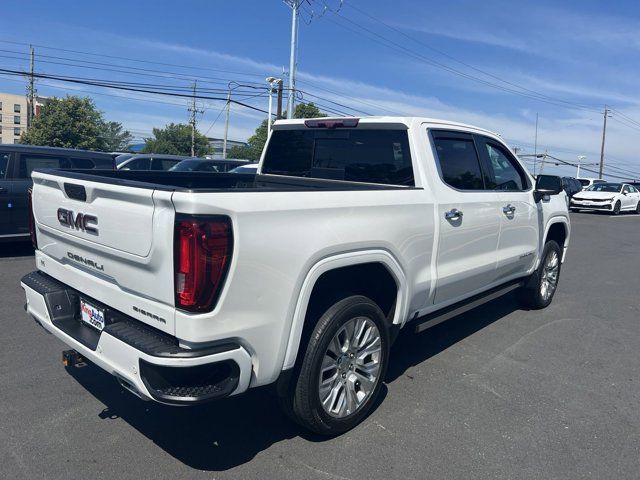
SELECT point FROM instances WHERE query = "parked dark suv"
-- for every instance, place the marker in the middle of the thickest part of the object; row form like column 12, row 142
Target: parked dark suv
column 571, row 186
column 16, row 164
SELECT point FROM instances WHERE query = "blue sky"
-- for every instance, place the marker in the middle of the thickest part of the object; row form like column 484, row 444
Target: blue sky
column 566, row 60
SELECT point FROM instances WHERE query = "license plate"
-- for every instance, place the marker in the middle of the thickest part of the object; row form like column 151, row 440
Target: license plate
column 91, row 315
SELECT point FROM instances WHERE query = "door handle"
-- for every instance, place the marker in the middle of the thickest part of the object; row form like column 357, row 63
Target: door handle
column 453, row 214
column 509, row 209
column 3, row 190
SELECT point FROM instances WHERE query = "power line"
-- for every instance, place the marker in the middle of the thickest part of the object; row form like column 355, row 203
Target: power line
column 137, row 60
column 451, row 57
column 119, row 87
column 381, row 39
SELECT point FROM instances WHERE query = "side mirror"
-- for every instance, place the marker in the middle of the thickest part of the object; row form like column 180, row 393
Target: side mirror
column 547, row 185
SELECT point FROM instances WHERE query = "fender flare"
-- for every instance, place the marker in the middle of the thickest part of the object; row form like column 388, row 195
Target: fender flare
column 331, row 263
column 564, row 220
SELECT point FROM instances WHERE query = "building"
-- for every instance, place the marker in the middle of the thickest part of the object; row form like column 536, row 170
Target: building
column 13, row 116
column 217, row 145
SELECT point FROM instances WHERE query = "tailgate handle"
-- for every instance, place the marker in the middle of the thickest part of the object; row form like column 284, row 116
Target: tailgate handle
column 77, row 192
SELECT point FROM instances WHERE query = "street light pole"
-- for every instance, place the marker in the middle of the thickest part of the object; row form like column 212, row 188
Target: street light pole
column 271, row 81
column 226, row 125
column 580, row 159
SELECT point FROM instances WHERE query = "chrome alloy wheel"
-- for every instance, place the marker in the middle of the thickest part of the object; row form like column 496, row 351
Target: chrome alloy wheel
column 350, row 367
column 550, row 272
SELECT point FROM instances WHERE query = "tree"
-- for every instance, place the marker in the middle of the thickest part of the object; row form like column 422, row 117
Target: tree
column 307, row 110
column 70, row 122
column 116, row 139
column 256, row 142
column 175, row 139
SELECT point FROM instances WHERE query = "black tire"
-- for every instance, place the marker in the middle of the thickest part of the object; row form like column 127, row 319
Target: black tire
column 530, row 295
column 638, row 208
column 616, row 208
column 304, row 404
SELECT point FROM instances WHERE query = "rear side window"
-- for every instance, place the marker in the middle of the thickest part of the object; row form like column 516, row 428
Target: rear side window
column 356, row 155
column 30, row 162
column 137, row 164
column 4, row 164
column 458, row 161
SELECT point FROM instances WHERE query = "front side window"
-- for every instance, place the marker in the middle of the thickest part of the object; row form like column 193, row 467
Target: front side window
column 163, row 163
column 28, row 163
column 507, row 175
column 626, row 189
column 355, row 155
column 458, row 161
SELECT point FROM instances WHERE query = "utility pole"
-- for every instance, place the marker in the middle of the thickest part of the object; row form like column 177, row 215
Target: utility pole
column 226, row 125
column 544, row 157
column 31, row 90
column 604, row 134
column 535, row 148
column 193, row 120
column 295, row 6
column 279, row 108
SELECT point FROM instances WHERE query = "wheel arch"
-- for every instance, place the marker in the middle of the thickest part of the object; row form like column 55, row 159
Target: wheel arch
column 335, row 265
column 557, row 229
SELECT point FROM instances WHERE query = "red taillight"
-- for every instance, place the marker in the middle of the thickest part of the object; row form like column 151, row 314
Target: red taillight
column 32, row 221
column 203, row 247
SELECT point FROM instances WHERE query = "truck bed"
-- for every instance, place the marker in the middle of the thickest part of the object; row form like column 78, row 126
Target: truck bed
column 212, row 182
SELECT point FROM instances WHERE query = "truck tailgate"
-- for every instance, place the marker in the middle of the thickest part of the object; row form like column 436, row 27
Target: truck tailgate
column 112, row 240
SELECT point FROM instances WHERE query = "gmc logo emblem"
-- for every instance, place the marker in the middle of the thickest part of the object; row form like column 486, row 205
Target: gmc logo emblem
column 80, row 221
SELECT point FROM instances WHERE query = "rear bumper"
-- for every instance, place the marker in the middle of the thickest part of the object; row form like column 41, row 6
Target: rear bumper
column 147, row 362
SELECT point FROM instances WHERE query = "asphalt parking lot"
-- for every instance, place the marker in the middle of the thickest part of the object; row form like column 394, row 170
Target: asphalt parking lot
column 498, row 392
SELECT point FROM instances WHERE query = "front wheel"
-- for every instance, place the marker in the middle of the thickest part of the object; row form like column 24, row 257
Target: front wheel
column 540, row 287
column 616, row 208
column 343, row 367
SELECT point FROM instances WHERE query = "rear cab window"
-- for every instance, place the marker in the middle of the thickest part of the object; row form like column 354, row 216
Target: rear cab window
column 29, row 162
column 458, row 161
column 367, row 155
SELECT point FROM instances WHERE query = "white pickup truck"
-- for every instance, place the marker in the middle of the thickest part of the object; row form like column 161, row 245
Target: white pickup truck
column 189, row 287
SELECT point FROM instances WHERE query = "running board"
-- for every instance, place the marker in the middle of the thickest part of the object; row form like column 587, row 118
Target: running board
column 433, row 319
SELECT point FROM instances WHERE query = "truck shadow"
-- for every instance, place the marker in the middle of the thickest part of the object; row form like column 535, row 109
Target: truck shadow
column 227, row 433
column 411, row 349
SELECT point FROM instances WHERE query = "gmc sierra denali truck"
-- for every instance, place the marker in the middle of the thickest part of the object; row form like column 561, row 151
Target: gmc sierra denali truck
column 193, row 286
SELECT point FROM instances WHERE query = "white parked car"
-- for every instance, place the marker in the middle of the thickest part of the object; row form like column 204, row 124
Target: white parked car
column 587, row 182
column 608, row 197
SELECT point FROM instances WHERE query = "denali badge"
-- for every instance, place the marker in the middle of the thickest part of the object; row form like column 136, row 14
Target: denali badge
column 86, row 261
column 80, row 221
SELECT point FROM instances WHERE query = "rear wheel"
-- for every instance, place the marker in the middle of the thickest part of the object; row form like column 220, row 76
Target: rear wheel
column 343, row 367
column 616, row 208
column 541, row 286
column 638, row 208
